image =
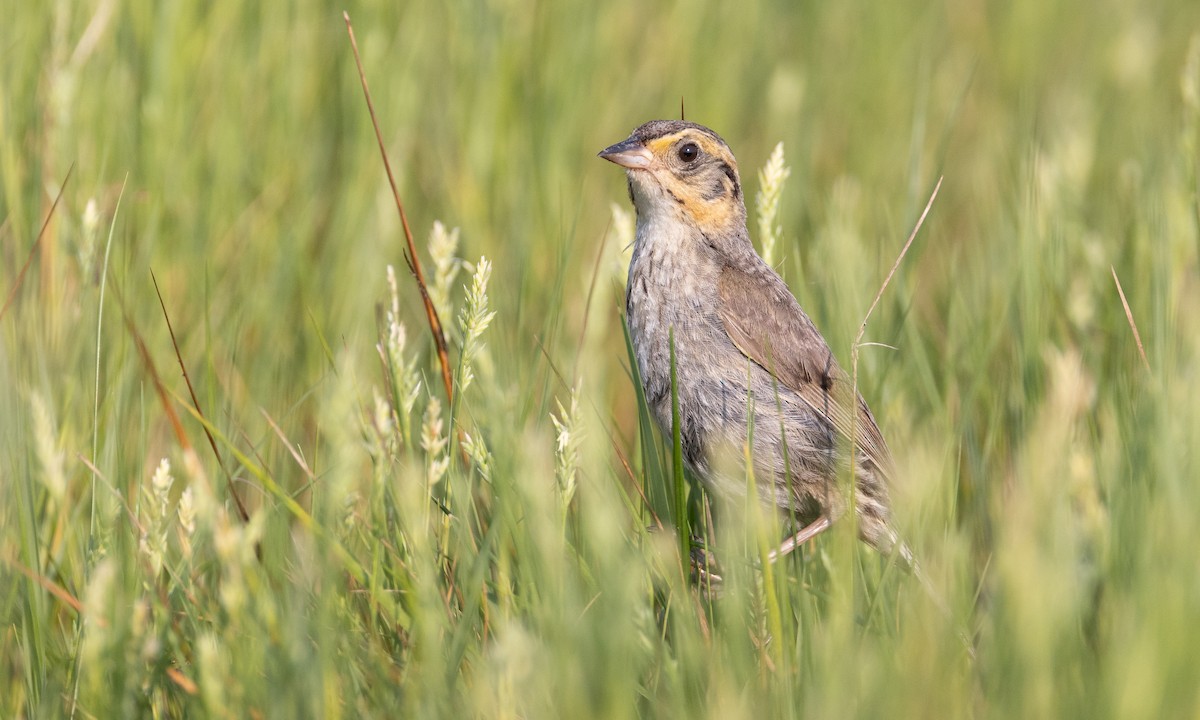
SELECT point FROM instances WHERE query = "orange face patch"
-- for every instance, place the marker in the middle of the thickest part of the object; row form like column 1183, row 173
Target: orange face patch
column 705, row 211
column 660, row 146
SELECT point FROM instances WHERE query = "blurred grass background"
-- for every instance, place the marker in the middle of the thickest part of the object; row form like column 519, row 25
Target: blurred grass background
column 1050, row 479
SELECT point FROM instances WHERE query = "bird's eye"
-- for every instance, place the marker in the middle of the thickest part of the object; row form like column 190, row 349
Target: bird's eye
column 688, row 152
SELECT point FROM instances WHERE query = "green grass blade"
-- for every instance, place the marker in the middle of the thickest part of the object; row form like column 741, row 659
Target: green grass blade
column 680, row 483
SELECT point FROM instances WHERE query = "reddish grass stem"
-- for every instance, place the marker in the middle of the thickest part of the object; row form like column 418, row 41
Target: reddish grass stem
column 241, row 507
column 36, row 244
column 410, row 254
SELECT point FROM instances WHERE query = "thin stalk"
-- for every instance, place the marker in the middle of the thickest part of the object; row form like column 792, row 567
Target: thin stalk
column 680, row 482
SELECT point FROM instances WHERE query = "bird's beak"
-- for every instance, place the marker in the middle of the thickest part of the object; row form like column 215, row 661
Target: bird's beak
column 629, row 153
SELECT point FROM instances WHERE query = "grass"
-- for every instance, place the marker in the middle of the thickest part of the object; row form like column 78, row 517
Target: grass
column 411, row 557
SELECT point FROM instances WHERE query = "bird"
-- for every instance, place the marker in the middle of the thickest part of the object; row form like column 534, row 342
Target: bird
column 753, row 372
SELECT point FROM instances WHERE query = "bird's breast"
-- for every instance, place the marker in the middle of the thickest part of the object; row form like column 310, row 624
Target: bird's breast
column 672, row 294
column 672, row 290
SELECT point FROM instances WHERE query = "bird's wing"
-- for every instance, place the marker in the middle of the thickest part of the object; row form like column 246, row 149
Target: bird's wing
column 769, row 327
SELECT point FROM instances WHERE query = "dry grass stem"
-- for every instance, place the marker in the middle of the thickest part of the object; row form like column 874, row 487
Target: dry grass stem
column 12, row 294
column 1129, row 316
column 212, row 443
column 410, row 254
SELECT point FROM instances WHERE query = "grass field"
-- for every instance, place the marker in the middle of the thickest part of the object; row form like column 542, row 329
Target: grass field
column 406, row 556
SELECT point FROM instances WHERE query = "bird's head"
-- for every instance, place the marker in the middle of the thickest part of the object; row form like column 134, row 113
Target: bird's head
column 683, row 172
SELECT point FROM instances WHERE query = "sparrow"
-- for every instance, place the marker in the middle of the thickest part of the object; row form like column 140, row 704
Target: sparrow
column 753, row 372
